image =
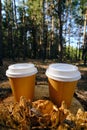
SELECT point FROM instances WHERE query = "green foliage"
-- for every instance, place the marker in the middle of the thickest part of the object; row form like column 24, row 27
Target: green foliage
column 78, row 9
column 34, row 10
column 73, row 53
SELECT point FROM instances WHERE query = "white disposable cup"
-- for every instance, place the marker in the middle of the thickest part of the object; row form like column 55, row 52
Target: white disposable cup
column 22, row 79
column 62, row 79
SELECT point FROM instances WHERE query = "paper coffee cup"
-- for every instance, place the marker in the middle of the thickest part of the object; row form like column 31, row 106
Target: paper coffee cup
column 22, row 79
column 62, row 79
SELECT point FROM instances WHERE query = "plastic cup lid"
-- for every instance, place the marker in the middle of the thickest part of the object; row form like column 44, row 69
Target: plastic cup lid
column 21, row 70
column 63, row 72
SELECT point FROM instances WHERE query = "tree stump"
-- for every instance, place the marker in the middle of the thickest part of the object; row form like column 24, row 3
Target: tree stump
column 42, row 91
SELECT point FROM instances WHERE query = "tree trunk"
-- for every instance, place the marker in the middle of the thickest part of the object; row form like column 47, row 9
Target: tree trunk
column 52, row 38
column 1, row 56
column 60, row 31
column 15, row 19
column 44, row 34
column 85, row 41
column 34, row 46
column 24, row 32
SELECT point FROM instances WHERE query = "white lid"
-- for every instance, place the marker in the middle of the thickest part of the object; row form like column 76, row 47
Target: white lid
column 63, row 72
column 21, row 70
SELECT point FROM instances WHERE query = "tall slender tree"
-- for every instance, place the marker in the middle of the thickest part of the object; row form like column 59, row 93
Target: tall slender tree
column 44, row 33
column 1, row 56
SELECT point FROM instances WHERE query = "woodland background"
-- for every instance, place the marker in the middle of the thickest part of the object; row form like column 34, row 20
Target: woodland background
column 43, row 29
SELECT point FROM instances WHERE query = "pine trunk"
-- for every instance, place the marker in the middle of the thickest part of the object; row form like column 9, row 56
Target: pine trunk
column 60, row 31
column 1, row 57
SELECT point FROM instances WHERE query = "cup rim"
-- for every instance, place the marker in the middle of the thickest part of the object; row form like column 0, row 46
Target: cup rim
column 19, row 75
column 21, row 70
column 63, row 79
column 60, row 72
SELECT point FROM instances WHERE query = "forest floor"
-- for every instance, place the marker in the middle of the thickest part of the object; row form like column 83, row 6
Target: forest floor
column 41, row 79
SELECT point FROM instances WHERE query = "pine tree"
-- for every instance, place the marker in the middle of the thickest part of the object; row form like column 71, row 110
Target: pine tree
column 1, row 57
